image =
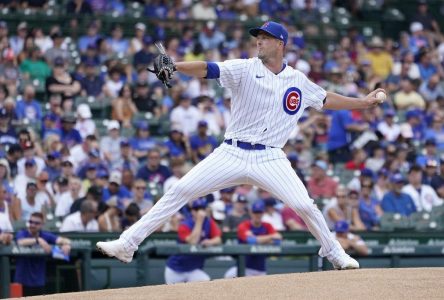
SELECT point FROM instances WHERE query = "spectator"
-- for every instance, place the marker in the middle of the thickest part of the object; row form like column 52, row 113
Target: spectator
column 211, row 115
column 348, row 240
column 255, row 232
column 83, row 220
column 53, row 165
column 395, row 201
column 24, row 206
column 136, row 42
column 29, row 108
column 30, row 272
column 272, row 215
column 5, row 218
column 413, row 128
column 29, row 153
column 292, row 220
column 203, row 10
column 45, row 191
column 13, row 154
column 61, row 82
column 144, row 56
column 132, row 215
column 320, row 185
column 91, row 58
column 67, row 168
column 418, row 39
column 185, row 116
column 142, row 143
column 178, row 170
column 118, row 44
column 94, row 194
column 57, row 50
column 358, row 160
column 338, row 136
column 79, row 153
column 140, row 196
column 116, row 189
column 436, row 131
column 34, row 67
column 63, row 198
column 29, row 175
column 93, row 158
column 201, row 143
column 388, row 128
column 238, row 214
column 294, row 161
column 430, row 153
column 123, row 107
column 423, row 196
column 8, row 135
column 426, row 19
column 407, row 97
column 70, row 135
column 85, row 125
column 344, row 207
column 217, row 209
column 430, row 170
column 153, row 171
column 377, row 160
column 17, row 42
column 431, row 89
column 381, row 185
column 110, row 144
column 92, row 84
column 369, row 209
column 109, row 220
column 126, row 160
column 198, row 229
column 144, row 101
column 226, row 196
column 381, row 61
column 114, row 84
column 177, row 145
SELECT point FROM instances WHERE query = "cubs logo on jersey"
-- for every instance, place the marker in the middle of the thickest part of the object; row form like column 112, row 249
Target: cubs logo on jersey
column 292, row 100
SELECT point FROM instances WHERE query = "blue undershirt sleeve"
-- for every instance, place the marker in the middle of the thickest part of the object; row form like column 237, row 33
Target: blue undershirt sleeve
column 213, row 70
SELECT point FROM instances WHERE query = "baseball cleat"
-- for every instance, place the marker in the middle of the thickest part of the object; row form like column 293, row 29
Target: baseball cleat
column 115, row 249
column 344, row 262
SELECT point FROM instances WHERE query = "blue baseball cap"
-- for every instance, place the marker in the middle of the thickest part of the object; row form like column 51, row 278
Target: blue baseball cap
column 125, row 143
column 341, row 226
column 199, row 203
column 94, row 152
column 272, row 28
column 54, row 155
column 292, row 156
column 258, row 207
column 397, row 178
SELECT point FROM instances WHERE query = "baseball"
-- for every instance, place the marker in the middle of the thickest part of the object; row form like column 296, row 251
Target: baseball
column 381, row 96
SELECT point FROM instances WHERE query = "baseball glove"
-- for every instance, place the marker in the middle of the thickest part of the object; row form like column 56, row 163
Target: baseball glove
column 164, row 68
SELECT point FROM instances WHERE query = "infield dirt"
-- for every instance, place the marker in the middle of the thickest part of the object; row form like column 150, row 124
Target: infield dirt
column 420, row 283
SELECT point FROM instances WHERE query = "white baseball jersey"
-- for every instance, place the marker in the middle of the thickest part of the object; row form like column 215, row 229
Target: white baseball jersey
column 265, row 107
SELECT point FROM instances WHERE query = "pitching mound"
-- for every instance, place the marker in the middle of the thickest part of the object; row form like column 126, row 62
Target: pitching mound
column 421, row 283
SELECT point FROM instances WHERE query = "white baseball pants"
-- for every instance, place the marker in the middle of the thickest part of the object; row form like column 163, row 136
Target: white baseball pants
column 232, row 272
column 228, row 166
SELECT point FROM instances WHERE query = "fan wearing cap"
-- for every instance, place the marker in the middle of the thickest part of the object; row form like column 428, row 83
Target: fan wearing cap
column 92, row 84
column 255, row 232
column 93, row 158
column 26, row 203
column 136, row 42
column 143, row 99
column 145, row 55
column 396, row 201
column 29, row 108
column 430, row 153
column 237, row 215
column 70, row 135
column 380, row 60
column 63, row 197
column 201, row 143
column 116, row 189
column 268, row 98
column 85, row 125
column 29, row 175
column 126, row 161
column 110, row 143
column 388, row 128
column 29, row 152
column 198, row 229
column 423, row 195
column 142, row 142
column 8, row 135
column 320, row 185
column 31, row 271
column 348, row 240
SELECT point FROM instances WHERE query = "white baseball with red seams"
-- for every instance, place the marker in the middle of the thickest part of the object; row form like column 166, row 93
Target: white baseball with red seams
column 265, row 108
column 381, row 96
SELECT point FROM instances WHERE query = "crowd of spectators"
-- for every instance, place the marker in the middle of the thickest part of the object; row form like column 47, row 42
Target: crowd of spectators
column 56, row 161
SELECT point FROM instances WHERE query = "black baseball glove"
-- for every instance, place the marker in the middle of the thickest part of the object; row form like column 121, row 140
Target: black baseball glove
column 164, row 68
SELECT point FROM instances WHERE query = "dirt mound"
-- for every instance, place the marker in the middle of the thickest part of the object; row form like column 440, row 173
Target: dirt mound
column 420, row 283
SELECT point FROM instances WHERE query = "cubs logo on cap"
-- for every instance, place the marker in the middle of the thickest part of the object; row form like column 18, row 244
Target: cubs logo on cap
column 272, row 28
column 292, row 100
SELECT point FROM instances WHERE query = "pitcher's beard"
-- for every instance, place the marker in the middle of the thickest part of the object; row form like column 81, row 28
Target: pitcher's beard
column 263, row 58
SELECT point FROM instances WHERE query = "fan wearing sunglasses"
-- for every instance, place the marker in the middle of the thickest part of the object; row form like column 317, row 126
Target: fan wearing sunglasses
column 31, row 271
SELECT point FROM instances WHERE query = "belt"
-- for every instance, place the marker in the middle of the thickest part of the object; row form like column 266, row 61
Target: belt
column 246, row 146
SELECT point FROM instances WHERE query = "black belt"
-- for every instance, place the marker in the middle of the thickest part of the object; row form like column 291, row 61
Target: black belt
column 247, row 146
